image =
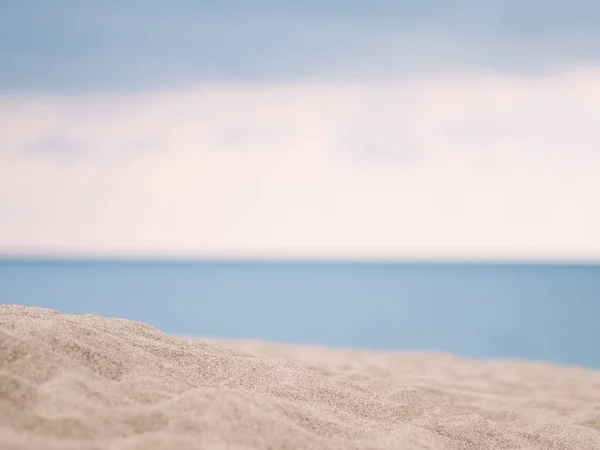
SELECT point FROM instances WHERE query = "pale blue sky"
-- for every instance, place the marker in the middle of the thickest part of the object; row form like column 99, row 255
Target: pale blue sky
column 346, row 129
column 79, row 45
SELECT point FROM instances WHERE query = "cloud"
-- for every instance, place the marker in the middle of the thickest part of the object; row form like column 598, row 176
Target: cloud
column 453, row 166
column 74, row 46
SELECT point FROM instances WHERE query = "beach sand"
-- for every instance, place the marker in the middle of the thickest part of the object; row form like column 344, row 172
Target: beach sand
column 87, row 382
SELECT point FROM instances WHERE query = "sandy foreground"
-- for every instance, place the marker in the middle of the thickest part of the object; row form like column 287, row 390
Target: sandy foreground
column 87, row 382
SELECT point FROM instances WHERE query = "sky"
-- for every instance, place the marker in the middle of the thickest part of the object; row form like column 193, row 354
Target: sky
column 279, row 129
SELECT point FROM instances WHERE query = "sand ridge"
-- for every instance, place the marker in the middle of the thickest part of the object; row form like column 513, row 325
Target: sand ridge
column 88, row 382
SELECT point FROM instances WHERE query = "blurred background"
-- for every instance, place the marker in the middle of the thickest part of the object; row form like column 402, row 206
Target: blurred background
column 379, row 174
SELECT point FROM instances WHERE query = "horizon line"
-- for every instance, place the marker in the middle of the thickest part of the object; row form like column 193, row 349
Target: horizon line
column 153, row 259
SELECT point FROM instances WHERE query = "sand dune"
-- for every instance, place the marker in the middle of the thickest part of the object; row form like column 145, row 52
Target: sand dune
column 86, row 382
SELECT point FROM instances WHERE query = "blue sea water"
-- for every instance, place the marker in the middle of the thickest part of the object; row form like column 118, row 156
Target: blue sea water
column 538, row 312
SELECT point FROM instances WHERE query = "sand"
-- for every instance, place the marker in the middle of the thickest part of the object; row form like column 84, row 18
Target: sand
column 87, row 382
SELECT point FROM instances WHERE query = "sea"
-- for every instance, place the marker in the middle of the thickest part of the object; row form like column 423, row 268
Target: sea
column 538, row 312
